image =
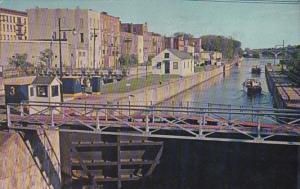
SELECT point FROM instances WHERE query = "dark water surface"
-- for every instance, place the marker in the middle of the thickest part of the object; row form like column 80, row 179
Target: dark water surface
column 223, row 165
column 229, row 90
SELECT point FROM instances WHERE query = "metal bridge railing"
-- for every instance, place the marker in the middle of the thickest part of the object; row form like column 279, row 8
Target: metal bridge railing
column 210, row 122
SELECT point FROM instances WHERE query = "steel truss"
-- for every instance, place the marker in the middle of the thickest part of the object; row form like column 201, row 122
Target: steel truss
column 207, row 123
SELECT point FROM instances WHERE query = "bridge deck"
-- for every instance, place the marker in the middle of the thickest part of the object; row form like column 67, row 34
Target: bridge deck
column 253, row 125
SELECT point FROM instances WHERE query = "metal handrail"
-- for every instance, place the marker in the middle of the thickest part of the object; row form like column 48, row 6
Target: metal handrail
column 170, row 109
column 230, row 108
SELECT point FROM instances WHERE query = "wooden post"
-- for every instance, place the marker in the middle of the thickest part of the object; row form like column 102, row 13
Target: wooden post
column 298, row 167
column 22, row 110
column 8, row 115
column 97, row 120
column 147, row 123
column 129, row 107
column 106, row 113
column 52, row 117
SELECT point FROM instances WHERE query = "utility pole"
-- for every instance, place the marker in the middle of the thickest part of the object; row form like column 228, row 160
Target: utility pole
column 60, row 61
column 128, row 41
column 60, row 55
column 94, row 53
column 1, row 67
column 49, row 60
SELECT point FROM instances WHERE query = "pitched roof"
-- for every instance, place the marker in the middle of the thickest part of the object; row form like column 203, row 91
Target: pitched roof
column 27, row 80
column 43, row 80
column 180, row 54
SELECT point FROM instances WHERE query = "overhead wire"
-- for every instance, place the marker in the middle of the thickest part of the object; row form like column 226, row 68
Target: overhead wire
column 293, row 2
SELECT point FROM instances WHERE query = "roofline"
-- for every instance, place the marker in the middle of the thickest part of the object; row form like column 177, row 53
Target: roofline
column 173, row 54
column 106, row 14
column 33, row 41
column 72, row 9
column 54, row 78
column 11, row 11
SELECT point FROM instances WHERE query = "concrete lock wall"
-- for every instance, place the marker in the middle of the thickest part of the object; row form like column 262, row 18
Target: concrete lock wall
column 31, row 160
column 159, row 93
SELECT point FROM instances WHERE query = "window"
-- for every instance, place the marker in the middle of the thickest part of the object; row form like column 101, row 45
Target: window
column 81, row 38
column 158, row 65
column 54, row 35
column 54, row 90
column 175, row 65
column 167, row 55
column 81, row 22
column 64, row 36
column 31, row 91
column 42, row 91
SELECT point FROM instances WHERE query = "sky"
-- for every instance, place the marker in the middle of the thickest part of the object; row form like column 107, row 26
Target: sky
column 255, row 25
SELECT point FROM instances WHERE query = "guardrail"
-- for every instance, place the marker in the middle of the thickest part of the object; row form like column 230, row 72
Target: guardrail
column 212, row 122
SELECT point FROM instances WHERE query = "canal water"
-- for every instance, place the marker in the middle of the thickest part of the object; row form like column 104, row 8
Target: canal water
column 228, row 89
column 224, row 165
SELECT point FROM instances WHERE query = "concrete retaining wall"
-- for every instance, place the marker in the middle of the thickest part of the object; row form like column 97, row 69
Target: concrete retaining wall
column 162, row 92
column 31, row 162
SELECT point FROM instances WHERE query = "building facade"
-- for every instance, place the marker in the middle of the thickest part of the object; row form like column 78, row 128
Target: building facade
column 132, row 44
column 142, row 30
column 157, row 44
column 184, row 43
column 210, row 57
column 173, row 61
column 33, row 50
column 110, row 29
column 13, row 25
column 197, row 49
column 44, row 25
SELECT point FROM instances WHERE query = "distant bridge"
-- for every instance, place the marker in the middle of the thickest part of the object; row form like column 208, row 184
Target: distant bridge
column 206, row 122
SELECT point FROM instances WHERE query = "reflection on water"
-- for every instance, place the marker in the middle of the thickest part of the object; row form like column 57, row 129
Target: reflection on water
column 229, row 90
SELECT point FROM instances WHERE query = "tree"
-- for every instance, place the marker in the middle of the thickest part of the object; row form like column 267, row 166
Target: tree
column 228, row 46
column 45, row 58
column 150, row 57
column 180, row 34
column 255, row 54
column 133, row 59
column 19, row 61
column 124, row 60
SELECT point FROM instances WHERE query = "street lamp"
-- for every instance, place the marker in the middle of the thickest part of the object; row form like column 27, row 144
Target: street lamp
column 60, row 54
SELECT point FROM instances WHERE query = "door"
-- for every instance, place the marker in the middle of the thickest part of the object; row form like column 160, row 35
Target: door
column 167, row 67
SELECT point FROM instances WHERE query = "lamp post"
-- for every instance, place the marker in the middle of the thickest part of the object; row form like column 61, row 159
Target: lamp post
column 60, row 54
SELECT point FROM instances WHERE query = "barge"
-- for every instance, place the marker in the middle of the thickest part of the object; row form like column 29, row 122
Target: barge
column 253, row 86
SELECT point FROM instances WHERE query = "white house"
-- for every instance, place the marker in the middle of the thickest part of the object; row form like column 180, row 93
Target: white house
column 44, row 89
column 172, row 61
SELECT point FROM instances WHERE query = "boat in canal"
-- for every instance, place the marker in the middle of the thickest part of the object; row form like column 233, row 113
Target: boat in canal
column 253, row 86
column 255, row 69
